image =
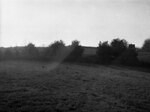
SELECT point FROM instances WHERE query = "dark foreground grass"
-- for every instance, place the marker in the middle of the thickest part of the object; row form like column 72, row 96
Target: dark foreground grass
column 43, row 87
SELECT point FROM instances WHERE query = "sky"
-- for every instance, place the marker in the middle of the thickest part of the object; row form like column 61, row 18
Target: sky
column 89, row 21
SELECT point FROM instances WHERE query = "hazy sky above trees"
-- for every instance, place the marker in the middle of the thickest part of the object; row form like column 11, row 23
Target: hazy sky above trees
column 89, row 21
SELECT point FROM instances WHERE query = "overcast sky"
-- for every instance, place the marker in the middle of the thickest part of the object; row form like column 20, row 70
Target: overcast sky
column 89, row 21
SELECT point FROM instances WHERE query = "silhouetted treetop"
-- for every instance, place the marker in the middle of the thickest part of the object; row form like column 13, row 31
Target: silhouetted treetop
column 57, row 44
column 104, row 52
column 118, row 46
column 31, row 51
column 55, row 51
column 129, row 57
column 146, row 45
column 75, row 51
column 75, row 43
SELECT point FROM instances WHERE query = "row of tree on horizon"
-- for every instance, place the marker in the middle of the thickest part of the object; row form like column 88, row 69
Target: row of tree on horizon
column 118, row 51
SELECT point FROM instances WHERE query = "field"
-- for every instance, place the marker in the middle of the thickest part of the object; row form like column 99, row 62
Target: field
column 53, row 87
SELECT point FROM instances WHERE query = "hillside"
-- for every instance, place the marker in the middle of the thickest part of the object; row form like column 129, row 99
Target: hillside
column 53, row 87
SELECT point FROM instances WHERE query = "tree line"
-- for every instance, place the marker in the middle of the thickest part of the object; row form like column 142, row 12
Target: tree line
column 57, row 51
column 118, row 51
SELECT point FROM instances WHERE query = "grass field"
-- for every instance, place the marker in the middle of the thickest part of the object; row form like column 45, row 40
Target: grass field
column 45, row 87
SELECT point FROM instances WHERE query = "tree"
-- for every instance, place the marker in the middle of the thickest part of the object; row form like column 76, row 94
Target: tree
column 129, row 57
column 118, row 47
column 75, row 43
column 146, row 45
column 31, row 52
column 75, row 50
column 57, row 46
column 56, row 51
column 104, row 53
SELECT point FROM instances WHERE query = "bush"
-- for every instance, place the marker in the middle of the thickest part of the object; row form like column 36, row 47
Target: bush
column 75, row 51
column 146, row 45
column 129, row 57
column 56, row 51
column 31, row 52
column 118, row 47
column 104, row 53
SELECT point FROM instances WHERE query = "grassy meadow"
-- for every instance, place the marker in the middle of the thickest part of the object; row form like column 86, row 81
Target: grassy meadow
column 53, row 87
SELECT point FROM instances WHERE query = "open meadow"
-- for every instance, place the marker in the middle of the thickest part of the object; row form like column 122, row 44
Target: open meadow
column 53, row 87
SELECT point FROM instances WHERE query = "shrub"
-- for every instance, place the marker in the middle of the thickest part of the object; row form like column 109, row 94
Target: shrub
column 56, row 51
column 104, row 53
column 31, row 52
column 75, row 51
column 118, row 47
column 146, row 45
column 129, row 57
